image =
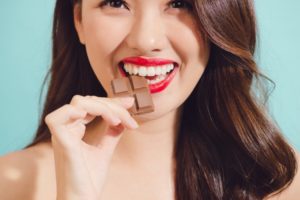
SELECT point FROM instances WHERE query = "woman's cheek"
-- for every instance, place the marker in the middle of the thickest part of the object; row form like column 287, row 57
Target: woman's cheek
column 106, row 32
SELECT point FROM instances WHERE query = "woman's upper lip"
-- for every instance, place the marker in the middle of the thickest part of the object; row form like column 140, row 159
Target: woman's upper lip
column 147, row 61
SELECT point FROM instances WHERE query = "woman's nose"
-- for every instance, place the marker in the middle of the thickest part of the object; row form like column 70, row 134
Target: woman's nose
column 147, row 33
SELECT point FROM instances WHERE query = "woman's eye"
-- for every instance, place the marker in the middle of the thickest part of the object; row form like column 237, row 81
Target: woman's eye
column 181, row 4
column 119, row 3
column 113, row 3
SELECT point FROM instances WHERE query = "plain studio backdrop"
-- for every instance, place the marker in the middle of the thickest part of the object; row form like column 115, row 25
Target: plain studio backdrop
column 25, row 56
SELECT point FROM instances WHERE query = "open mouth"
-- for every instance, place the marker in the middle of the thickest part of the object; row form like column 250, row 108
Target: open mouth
column 158, row 77
column 153, row 74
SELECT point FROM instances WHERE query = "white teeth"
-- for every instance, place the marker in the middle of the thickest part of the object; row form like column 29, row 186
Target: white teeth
column 151, row 71
column 164, row 70
column 157, row 70
column 148, row 71
column 158, row 79
column 142, row 71
column 169, row 68
column 135, row 71
column 130, row 70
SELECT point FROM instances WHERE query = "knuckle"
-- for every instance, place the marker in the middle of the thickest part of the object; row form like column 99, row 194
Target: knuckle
column 76, row 99
column 95, row 98
column 68, row 107
column 48, row 119
column 88, row 97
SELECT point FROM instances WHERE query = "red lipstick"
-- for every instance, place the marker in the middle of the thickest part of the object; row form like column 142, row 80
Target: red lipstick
column 160, row 86
column 147, row 61
column 153, row 62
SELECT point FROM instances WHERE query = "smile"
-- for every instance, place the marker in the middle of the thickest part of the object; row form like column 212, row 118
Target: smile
column 159, row 73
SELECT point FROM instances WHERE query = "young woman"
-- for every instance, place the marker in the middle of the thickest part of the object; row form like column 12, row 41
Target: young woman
column 209, row 137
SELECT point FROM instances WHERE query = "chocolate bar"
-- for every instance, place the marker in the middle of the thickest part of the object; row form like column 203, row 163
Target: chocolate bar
column 137, row 87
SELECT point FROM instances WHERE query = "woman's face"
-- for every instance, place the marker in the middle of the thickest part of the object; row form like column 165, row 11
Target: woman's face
column 114, row 30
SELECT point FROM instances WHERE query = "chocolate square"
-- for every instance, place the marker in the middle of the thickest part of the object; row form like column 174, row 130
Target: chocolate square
column 137, row 87
column 119, row 86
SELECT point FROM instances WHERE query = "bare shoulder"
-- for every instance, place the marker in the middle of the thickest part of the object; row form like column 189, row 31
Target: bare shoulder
column 21, row 171
column 293, row 191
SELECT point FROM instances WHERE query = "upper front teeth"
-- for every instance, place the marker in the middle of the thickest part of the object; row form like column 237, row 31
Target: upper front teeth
column 148, row 71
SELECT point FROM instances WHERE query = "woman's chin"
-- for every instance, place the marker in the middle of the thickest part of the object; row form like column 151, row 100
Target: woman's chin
column 146, row 117
column 157, row 114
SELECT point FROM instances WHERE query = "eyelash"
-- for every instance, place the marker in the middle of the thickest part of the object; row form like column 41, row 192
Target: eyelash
column 186, row 5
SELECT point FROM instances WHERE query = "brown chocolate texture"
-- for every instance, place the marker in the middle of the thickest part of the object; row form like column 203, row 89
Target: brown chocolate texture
column 137, row 87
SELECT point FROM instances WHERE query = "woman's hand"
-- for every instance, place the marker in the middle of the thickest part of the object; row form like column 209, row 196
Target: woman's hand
column 80, row 167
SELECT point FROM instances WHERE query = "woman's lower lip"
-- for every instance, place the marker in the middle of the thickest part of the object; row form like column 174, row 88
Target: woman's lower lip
column 160, row 86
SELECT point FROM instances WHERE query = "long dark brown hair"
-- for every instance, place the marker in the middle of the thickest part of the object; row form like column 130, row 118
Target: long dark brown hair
column 228, row 147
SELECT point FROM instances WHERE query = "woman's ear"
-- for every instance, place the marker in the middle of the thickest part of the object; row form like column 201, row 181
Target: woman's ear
column 78, row 22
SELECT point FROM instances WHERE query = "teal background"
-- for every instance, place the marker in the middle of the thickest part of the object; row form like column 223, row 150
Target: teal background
column 25, row 55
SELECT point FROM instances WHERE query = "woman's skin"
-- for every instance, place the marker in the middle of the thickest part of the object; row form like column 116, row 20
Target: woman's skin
column 95, row 141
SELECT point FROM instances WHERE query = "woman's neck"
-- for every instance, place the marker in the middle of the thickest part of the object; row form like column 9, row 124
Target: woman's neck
column 151, row 145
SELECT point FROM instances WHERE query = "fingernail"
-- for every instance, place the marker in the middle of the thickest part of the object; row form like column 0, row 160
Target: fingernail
column 133, row 123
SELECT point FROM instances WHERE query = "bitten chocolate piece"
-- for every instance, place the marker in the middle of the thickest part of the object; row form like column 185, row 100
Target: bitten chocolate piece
column 137, row 87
